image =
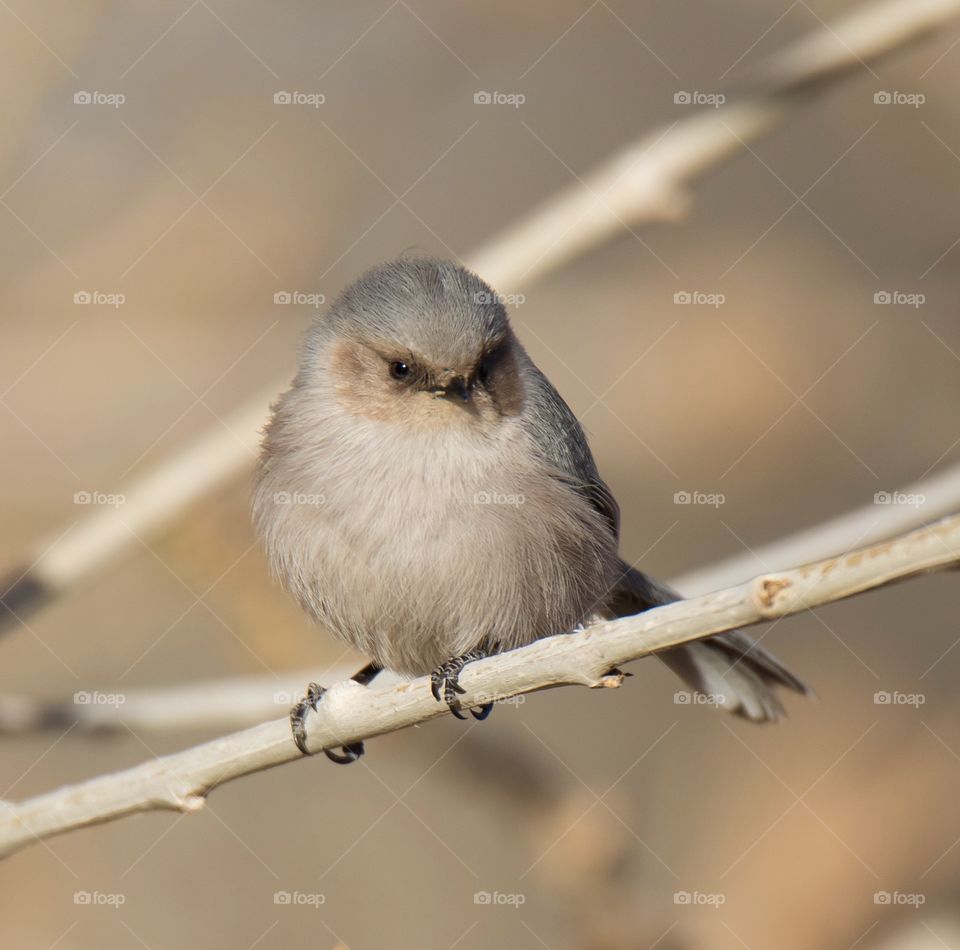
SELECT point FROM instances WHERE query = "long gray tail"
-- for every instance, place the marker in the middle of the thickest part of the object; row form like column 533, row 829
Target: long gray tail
column 729, row 667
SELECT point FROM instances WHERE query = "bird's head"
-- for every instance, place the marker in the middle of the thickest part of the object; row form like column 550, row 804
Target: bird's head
column 422, row 343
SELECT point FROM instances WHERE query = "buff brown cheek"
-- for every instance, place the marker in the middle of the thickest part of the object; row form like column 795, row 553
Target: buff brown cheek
column 360, row 384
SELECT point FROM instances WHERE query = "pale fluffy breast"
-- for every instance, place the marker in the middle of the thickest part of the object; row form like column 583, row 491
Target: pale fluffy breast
column 422, row 545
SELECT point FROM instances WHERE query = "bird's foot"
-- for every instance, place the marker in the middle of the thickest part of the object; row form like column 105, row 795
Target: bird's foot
column 445, row 684
column 349, row 753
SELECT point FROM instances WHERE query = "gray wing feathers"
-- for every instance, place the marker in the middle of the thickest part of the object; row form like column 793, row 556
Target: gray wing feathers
column 561, row 440
column 730, row 666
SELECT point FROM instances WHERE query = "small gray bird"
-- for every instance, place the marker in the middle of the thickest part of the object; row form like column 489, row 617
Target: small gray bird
column 428, row 497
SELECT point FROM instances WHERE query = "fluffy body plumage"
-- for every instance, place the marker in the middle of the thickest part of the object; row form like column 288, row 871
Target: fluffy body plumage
column 424, row 490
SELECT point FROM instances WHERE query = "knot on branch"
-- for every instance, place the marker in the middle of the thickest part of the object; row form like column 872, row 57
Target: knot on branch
column 612, row 679
column 767, row 592
column 187, row 801
column 190, row 803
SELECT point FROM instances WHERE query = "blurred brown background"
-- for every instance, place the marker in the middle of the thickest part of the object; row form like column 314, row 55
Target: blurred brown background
column 198, row 199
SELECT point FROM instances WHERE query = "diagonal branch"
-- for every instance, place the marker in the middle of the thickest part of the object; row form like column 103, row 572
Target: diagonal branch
column 648, row 180
column 350, row 712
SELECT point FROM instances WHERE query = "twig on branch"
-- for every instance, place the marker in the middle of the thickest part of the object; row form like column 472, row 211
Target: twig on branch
column 646, row 181
column 350, row 713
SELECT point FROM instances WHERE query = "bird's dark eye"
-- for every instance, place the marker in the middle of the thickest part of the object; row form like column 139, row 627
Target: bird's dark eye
column 399, row 369
column 483, row 372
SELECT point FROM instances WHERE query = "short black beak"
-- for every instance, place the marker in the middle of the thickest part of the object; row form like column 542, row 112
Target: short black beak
column 458, row 386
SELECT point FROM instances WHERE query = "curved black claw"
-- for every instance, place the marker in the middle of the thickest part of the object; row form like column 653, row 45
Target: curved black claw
column 298, row 715
column 350, row 753
column 445, row 684
column 482, row 713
